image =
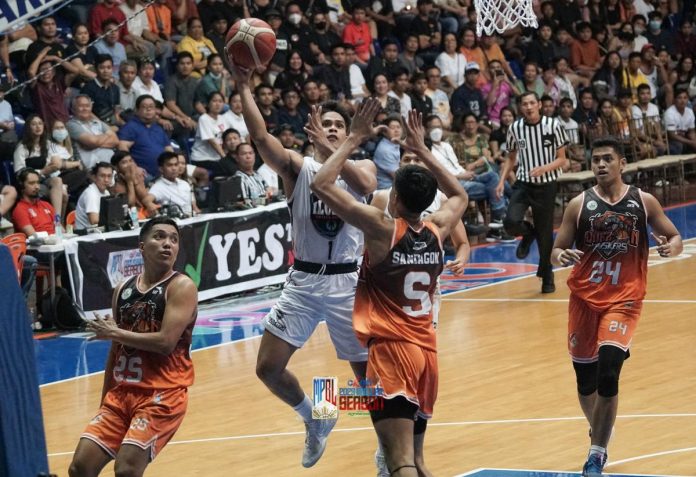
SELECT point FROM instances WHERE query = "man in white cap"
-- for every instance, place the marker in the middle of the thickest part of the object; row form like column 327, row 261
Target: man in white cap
column 468, row 98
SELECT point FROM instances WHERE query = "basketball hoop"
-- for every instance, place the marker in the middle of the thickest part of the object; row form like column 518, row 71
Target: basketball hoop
column 501, row 15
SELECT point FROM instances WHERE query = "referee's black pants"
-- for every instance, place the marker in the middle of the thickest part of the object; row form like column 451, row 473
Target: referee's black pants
column 541, row 197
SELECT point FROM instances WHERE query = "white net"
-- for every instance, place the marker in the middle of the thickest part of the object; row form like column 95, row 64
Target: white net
column 501, row 15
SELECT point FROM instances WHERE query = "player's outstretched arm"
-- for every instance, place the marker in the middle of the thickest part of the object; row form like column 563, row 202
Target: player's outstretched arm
column 369, row 219
column 462, row 249
column 285, row 163
column 457, row 199
column 182, row 301
column 667, row 236
column 562, row 253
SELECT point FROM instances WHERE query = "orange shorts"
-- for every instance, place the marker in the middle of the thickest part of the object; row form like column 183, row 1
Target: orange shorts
column 588, row 329
column 404, row 369
column 147, row 418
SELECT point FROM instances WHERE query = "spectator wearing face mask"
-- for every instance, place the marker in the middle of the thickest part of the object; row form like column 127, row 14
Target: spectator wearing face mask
column 299, row 35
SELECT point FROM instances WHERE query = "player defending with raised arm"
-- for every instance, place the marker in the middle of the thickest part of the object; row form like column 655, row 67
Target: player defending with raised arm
column 321, row 283
column 608, row 224
column 149, row 368
column 456, row 266
column 393, row 302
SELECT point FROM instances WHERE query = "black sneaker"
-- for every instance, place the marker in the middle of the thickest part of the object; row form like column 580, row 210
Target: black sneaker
column 493, row 236
column 547, row 285
column 523, row 247
column 506, row 237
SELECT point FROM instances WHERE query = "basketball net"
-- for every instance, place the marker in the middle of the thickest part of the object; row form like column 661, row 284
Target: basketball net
column 501, row 15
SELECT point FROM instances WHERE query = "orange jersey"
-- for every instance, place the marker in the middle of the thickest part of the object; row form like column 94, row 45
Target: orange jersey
column 143, row 312
column 614, row 239
column 393, row 300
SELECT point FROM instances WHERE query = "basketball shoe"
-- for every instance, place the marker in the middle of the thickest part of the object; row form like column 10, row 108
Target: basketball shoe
column 594, row 465
column 381, row 463
column 317, row 433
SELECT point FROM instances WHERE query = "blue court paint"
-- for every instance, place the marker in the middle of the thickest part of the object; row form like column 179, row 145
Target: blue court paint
column 70, row 355
column 536, row 473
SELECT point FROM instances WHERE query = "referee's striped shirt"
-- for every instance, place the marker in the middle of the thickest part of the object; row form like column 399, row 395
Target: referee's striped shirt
column 536, row 145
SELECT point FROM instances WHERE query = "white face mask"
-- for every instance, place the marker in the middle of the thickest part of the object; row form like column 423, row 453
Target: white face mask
column 436, row 134
column 60, row 134
column 295, row 18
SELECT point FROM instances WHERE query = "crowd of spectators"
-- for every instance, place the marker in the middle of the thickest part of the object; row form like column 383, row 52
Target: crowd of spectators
column 151, row 103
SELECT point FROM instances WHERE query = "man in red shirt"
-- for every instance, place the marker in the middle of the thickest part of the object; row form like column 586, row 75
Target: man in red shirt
column 32, row 214
column 357, row 33
column 584, row 52
column 104, row 11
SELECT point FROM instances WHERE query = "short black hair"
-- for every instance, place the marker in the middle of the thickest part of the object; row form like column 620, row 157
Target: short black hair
column 101, row 58
column 160, row 220
column 336, row 108
column 183, row 54
column 165, row 156
column 118, row 157
column 230, row 131
column 565, row 100
column 609, row 142
column 525, row 94
column 142, row 98
column 22, row 177
column 642, row 87
column 416, row 187
column 100, row 165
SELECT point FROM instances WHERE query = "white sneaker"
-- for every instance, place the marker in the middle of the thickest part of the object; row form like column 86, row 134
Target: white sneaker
column 315, row 441
column 381, row 463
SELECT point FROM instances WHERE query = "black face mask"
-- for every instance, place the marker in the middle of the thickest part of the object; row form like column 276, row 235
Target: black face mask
column 320, row 26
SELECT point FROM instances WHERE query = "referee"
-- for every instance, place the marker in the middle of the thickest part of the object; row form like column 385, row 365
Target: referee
column 537, row 143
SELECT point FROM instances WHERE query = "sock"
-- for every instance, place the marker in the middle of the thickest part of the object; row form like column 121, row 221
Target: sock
column 304, row 409
column 598, row 450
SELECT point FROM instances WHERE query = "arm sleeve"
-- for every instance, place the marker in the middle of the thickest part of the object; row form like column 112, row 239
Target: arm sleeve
column 206, row 127
column 20, row 157
column 92, row 202
column 127, row 133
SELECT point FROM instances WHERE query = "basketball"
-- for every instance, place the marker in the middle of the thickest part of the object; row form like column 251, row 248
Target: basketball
column 250, row 43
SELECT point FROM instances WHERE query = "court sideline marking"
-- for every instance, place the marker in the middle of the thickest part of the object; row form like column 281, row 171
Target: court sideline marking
column 445, row 424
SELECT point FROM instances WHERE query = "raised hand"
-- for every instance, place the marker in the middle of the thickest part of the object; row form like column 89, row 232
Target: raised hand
column 364, row 117
column 415, row 133
column 316, row 134
column 240, row 74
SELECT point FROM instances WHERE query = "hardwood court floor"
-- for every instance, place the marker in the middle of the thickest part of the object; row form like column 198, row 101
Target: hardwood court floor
column 507, row 395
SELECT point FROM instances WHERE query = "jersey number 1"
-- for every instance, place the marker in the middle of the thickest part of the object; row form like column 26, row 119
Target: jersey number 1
column 422, row 296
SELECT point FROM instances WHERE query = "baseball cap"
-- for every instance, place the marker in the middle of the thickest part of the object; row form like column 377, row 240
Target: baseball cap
column 273, row 13
column 472, row 66
column 647, row 46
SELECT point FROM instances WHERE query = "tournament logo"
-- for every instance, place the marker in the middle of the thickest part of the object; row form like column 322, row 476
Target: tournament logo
column 612, row 233
column 123, row 264
column 326, row 223
column 325, row 396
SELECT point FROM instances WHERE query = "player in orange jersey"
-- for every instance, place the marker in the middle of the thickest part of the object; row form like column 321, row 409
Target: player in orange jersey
column 608, row 224
column 403, row 258
column 149, row 366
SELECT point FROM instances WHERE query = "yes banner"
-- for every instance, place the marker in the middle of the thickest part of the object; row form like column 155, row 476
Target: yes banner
column 222, row 253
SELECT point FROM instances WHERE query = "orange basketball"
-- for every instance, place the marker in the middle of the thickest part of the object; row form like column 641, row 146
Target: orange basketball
column 250, row 43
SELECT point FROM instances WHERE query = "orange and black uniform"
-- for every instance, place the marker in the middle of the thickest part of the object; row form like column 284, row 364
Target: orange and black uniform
column 148, row 401
column 608, row 285
column 393, row 315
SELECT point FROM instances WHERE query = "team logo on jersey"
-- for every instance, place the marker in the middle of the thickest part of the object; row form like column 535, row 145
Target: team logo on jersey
column 612, row 233
column 326, row 223
column 632, row 203
column 592, row 205
column 140, row 316
column 419, row 246
column 522, row 142
column 126, row 293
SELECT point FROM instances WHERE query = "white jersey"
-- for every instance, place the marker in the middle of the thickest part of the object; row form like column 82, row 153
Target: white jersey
column 319, row 235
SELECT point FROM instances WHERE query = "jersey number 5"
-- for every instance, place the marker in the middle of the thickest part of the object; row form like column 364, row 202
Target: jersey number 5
column 411, row 279
column 133, row 367
column 601, row 268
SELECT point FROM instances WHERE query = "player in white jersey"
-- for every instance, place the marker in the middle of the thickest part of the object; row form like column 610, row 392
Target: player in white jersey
column 321, row 283
column 456, row 266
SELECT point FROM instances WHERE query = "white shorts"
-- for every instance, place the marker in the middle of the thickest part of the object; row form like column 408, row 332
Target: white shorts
column 309, row 298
